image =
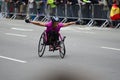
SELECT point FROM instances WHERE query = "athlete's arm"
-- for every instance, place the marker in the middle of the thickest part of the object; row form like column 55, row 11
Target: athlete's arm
column 38, row 23
column 68, row 23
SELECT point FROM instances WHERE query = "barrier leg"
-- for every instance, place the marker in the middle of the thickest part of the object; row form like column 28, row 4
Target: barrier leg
column 36, row 18
column 105, row 23
column 64, row 20
column 45, row 19
column 13, row 17
column 118, row 26
column 1, row 16
column 90, row 22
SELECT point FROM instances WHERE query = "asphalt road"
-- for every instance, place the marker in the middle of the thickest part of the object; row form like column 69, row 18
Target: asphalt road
column 92, row 53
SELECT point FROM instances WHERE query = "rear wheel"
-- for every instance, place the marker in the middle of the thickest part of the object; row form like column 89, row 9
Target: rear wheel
column 41, row 45
column 62, row 49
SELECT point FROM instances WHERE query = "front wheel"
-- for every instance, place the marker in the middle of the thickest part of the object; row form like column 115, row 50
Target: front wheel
column 62, row 49
column 41, row 45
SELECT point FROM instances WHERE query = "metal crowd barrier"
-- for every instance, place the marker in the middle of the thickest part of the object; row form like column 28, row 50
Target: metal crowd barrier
column 100, row 13
column 92, row 13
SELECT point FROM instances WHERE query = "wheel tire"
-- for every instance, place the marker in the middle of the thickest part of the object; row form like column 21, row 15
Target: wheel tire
column 41, row 46
column 62, row 49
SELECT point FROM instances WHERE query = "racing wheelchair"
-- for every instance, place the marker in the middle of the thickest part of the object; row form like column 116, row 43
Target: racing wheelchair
column 43, row 42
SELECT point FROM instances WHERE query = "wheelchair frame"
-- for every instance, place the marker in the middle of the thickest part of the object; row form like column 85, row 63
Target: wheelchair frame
column 42, row 45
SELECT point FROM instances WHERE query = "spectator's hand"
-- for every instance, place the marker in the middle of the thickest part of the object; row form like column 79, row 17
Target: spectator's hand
column 27, row 20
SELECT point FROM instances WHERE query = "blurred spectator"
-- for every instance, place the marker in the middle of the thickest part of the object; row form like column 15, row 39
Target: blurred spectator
column 41, row 6
column 86, row 1
column 115, row 13
column 38, row 2
column 61, row 7
column 73, row 8
column 109, row 3
column 0, row 4
column 103, row 2
column 44, row 7
column 118, row 3
column 85, row 7
column 83, row 2
column 30, row 6
column 51, row 7
column 16, row 5
column 80, row 2
column 4, row 7
column 73, row 2
column 22, row 6
column 11, row 6
column 69, row 8
column 94, row 1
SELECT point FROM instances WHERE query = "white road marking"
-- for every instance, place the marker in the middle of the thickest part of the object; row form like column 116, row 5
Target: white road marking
column 12, row 59
column 111, row 48
column 12, row 34
column 81, row 30
column 86, row 28
column 87, row 32
column 66, row 28
column 21, row 29
column 15, row 24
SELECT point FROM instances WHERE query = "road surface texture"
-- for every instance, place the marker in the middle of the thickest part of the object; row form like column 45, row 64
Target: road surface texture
column 92, row 53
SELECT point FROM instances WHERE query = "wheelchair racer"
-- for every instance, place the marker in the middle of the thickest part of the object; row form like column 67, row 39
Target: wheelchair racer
column 52, row 25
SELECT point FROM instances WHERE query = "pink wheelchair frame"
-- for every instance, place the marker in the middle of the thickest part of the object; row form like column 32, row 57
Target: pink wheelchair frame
column 43, row 43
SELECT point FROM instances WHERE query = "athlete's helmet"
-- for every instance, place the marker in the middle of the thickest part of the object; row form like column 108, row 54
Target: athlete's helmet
column 55, row 19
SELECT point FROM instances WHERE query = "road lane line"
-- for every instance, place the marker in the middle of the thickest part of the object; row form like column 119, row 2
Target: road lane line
column 12, row 34
column 111, row 48
column 86, row 28
column 12, row 59
column 22, row 29
column 87, row 32
column 80, row 30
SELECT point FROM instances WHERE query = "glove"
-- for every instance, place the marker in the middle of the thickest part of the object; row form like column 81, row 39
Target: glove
column 27, row 20
column 78, row 22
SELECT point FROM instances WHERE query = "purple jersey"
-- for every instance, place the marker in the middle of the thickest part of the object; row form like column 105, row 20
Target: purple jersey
column 49, row 26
